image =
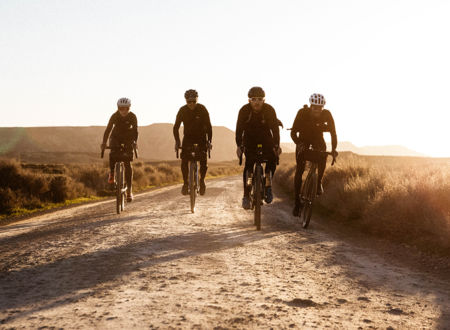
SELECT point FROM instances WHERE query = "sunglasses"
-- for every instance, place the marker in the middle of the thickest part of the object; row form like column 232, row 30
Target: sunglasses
column 257, row 99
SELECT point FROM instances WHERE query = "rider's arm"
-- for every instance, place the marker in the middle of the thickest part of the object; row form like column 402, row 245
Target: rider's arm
column 274, row 127
column 296, row 128
column 108, row 129
column 135, row 129
column 332, row 130
column 208, row 126
column 176, row 127
column 240, row 126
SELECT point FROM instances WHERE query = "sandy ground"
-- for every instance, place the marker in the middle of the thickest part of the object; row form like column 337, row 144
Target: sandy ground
column 159, row 266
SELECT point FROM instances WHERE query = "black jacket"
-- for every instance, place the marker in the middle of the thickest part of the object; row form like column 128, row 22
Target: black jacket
column 196, row 122
column 124, row 129
column 253, row 128
column 310, row 130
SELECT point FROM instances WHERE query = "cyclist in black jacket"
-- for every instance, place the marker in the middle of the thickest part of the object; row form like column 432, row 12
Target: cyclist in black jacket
column 258, row 124
column 124, row 130
column 307, row 130
column 197, row 130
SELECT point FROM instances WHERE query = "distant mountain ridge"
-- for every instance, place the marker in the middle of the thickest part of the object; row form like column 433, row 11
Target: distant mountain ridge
column 156, row 142
column 388, row 150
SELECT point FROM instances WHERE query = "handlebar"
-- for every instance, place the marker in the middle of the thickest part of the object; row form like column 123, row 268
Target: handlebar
column 181, row 148
column 109, row 147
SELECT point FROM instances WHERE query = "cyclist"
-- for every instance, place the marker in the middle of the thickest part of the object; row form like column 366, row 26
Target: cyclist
column 197, row 130
column 307, row 130
column 258, row 124
column 124, row 130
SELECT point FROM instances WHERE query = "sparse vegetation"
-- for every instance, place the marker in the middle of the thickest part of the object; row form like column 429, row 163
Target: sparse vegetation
column 403, row 199
column 28, row 187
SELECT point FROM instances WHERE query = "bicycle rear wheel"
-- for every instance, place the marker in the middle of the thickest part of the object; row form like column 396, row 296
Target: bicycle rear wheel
column 117, row 174
column 192, row 184
column 310, row 192
column 257, row 192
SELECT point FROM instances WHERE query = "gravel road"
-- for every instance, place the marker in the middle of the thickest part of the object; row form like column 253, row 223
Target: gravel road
column 159, row 266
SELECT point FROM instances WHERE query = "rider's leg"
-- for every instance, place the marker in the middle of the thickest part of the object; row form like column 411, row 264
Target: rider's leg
column 298, row 177
column 270, row 170
column 185, row 170
column 248, row 170
column 129, row 180
column 320, row 146
column 112, row 163
column 203, row 169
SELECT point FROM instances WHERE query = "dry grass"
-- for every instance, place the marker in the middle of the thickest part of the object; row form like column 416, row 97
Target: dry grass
column 26, row 187
column 403, row 199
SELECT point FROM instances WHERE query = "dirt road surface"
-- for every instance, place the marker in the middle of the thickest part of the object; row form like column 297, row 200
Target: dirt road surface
column 159, row 266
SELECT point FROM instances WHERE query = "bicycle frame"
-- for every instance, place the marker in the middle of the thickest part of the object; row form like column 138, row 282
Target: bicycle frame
column 120, row 185
column 193, row 173
column 309, row 189
column 256, row 181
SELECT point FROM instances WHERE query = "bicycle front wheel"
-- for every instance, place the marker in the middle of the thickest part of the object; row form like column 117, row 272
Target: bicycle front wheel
column 310, row 192
column 122, row 176
column 257, row 194
column 117, row 174
column 192, row 184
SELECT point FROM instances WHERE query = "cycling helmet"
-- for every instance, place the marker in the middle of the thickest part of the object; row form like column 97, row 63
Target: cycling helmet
column 256, row 92
column 317, row 99
column 124, row 102
column 190, row 94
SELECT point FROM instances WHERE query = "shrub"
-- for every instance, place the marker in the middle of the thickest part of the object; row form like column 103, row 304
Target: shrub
column 8, row 200
column 397, row 198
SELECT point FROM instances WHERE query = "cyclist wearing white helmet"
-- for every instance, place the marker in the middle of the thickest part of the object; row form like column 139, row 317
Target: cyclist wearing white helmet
column 307, row 130
column 124, row 130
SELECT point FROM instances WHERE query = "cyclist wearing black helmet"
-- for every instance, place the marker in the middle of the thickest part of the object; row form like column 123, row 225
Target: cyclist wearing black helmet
column 258, row 124
column 197, row 130
column 307, row 130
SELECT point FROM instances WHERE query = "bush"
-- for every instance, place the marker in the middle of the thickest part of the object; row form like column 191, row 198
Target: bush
column 8, row 200
column 402, row 199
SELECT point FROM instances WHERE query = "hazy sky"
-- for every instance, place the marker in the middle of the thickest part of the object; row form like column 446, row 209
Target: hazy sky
column 383, row 66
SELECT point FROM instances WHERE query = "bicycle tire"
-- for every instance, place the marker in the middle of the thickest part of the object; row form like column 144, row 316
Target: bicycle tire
column 118, row 187
column 257, row 196
column 122, row 176
column 192, row 188
column 310, row 191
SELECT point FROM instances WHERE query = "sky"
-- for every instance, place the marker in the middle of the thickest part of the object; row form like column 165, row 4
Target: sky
column 383, row 66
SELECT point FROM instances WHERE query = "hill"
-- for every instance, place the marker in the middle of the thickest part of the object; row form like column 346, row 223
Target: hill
column 388, row 150
column 82, row 144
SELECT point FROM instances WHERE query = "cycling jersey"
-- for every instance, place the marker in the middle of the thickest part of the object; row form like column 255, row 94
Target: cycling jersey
column 311, row 129
column 197, row 125
column 254, row 128
column 124, row 129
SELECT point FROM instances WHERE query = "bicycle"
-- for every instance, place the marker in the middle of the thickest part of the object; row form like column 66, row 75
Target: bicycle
column 120, row 185
column 193, row 173
column 309, row 189
column 256, row 184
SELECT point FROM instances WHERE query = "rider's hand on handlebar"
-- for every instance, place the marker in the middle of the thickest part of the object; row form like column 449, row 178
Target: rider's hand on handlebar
column 277, row 150
column 239, row 152
column 301, row 147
